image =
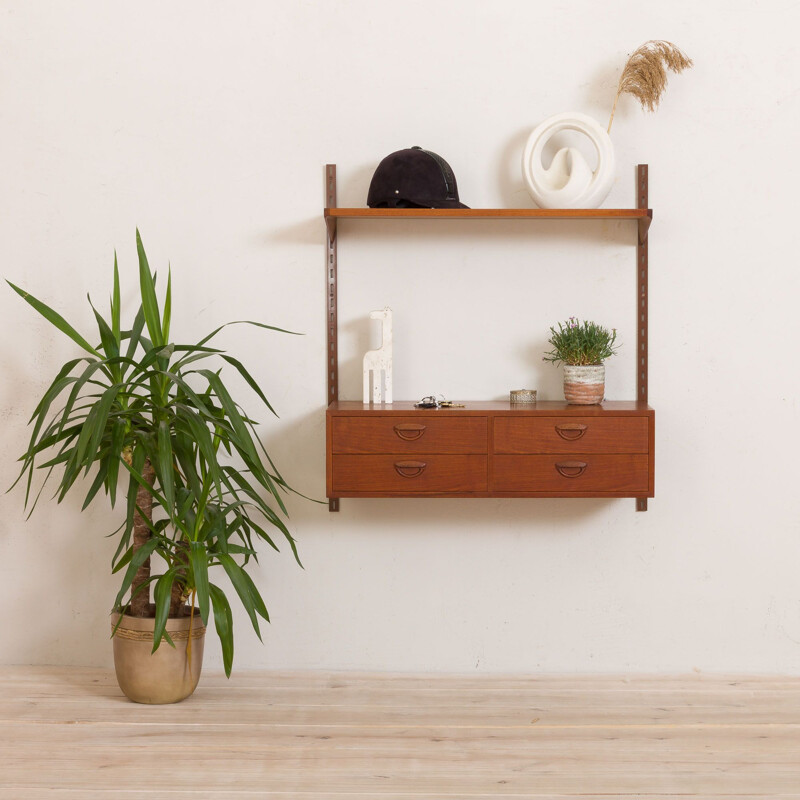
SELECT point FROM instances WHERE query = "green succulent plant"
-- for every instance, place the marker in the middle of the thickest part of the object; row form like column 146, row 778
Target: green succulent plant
column 154, row 421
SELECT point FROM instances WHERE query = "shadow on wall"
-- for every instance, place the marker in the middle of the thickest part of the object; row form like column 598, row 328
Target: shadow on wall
column 299, row 451
column 598, row 98
column 352, row 186
column 309, row 231
column 600, row 90
column 550, row 379
column 312, row 231
column 509, row 170
column 69, row 545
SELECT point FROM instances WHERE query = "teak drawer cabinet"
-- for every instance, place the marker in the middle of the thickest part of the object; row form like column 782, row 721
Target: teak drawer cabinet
column 550, row 449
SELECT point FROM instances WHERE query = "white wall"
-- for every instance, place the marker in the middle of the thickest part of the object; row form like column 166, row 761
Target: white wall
column 207, row 124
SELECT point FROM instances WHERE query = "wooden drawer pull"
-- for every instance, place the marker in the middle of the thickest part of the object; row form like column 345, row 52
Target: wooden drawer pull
column 409, row 431
column 571, row 431
column 410, row 469
column 571, row 469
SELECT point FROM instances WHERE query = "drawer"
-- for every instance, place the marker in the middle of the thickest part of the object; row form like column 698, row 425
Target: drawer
column 398, row 473
column 422, row 434
column 583, row 472
column 571, row 435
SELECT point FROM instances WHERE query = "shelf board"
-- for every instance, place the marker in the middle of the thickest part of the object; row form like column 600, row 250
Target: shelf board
column 490, row 213
column 643, row 216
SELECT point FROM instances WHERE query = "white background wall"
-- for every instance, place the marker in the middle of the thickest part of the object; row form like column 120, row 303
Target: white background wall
column 207, row 124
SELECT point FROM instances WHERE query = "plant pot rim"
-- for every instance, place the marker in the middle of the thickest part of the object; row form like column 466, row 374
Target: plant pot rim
column 148, row 623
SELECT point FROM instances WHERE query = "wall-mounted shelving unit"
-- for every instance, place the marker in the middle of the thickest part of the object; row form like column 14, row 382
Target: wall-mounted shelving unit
column 551, row 449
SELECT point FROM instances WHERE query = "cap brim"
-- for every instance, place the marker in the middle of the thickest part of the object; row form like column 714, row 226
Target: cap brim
column 450, row 204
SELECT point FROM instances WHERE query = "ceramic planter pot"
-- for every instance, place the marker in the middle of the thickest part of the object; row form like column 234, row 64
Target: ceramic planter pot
column 584, row 385
column 166, row 676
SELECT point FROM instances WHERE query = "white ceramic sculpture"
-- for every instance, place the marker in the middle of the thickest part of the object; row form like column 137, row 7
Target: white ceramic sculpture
column 569, row 181
column 378, row 363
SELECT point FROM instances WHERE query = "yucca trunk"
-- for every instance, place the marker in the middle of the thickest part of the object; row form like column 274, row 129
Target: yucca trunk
column 140, row 589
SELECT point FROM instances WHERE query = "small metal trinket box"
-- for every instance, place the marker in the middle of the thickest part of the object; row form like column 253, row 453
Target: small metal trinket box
column 523, row 396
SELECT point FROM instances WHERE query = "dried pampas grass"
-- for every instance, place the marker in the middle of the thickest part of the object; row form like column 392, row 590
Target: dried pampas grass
column 645, row 73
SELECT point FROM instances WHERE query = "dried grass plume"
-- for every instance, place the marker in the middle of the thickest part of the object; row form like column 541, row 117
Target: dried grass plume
column 645, row 73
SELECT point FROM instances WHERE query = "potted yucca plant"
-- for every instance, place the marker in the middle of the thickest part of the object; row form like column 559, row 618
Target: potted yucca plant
column 582, row 347
column 154, row 424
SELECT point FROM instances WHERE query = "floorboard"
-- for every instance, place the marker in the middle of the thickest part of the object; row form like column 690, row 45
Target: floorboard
column 69, row 733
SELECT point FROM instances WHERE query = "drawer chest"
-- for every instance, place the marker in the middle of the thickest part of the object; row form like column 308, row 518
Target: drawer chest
column 549, row 449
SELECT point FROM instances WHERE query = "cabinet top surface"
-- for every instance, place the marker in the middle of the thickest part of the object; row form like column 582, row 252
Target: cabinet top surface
column 560, row 407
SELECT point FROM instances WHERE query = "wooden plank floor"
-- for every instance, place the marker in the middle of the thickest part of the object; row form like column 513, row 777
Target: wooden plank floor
column 69, row 733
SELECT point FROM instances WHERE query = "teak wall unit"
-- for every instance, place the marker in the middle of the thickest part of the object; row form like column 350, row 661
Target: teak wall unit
column 551, row 449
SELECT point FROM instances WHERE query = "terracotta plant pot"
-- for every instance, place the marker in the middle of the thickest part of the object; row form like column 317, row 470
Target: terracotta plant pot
column 166, row 676
column 584, row 385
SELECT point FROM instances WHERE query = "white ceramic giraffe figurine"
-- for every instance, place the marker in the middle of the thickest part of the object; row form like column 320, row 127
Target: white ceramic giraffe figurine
column 380, row 361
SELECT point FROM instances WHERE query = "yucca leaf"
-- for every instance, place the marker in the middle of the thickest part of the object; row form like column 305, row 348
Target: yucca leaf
column 247, row 582
column 82, row 380
column 184, row 451
column 250, row 382
column 242, row 587
column 186, row 499
column 140, row 481
column 139, row 557
column 40, row 415
column 124, row 561
column 95, row 487
column 107, row 339
column 223, row 622
column 149, row 299
column 262, row 533
column 92, row 430
column 116, row 306
column 63, row 437
column 54, row 318
column 165, row 467
column 245, row 443
column 162, row 593
column 135, row 333
column 60, row 382
column 198, row 559
column 201, row 437
column 246, row 322
column 265, row 479
column 237, row 477
column 213, row 529
column 115, row 454
column 190, row 393
column 239, row 550
column 165, row 352
column 100, row 423
column 167, row 307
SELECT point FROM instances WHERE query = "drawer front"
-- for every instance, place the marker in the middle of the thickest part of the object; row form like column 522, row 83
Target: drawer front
column 571, row 435
column 384, row 434
column 399, row 473
column 584, row 472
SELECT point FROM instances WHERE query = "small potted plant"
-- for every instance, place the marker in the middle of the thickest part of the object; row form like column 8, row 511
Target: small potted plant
column 582, row 347
column 153, row 420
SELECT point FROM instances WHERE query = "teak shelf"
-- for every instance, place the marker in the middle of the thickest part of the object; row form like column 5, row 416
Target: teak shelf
column 643, row 215
column 550, row 449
